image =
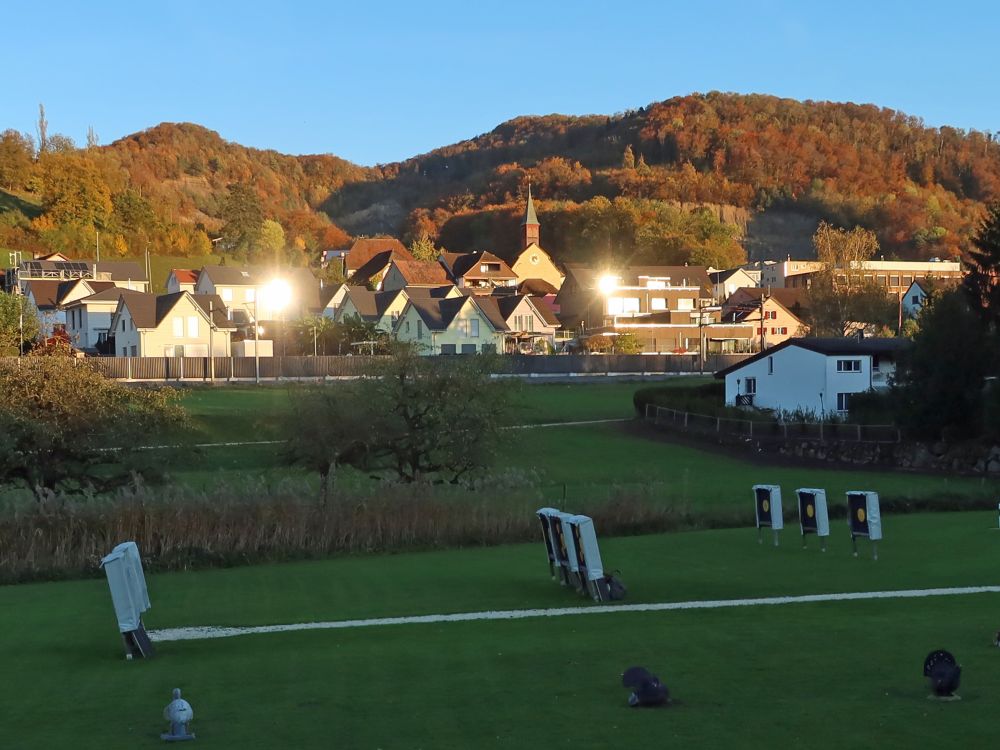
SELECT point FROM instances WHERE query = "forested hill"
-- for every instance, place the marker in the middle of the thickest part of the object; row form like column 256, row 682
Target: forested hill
column 783, row 164
column 699, row 178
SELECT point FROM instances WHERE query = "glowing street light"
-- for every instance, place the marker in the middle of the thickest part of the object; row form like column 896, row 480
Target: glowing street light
column 607, row 283
column 277, row 294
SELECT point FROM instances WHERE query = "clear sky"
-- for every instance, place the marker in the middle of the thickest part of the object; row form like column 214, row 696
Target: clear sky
column 376, row 82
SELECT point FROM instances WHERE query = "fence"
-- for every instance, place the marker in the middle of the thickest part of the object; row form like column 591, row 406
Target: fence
column 704, row 424
column 290, row 368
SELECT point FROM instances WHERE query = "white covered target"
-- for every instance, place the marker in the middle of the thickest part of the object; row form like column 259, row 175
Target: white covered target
column 767, row 503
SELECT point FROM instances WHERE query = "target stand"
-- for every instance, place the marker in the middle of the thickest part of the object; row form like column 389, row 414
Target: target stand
column 813, row 515
column 864, row 519
column 767, row 507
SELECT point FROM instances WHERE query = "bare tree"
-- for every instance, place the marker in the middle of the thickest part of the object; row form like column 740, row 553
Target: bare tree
column 43, row 130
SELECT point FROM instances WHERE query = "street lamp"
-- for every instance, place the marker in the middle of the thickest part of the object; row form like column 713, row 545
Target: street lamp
column 278, row 293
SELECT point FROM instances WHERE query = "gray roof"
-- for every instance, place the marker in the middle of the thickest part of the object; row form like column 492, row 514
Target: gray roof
column 529, row 213
column 438, row 314
column 836, row 346
column 122, row 270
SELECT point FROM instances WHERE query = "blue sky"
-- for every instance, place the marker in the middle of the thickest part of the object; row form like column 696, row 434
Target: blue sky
column 376, row 82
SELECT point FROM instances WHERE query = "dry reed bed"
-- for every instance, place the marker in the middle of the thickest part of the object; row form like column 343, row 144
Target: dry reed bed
column 181, row 528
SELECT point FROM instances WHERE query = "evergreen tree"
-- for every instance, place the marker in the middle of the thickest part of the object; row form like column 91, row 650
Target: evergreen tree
column 244, row 221
column 981, row 281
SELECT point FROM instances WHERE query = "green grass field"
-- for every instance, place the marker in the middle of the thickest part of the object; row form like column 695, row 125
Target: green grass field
column 823, row 675
column 589, row 461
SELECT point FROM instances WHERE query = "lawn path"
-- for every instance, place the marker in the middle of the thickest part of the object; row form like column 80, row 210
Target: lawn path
column 200, row 633
column 579, row 423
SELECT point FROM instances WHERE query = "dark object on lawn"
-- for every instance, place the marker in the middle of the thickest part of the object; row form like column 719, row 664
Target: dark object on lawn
column 996, row 639
column 647, row 690
column 616, row 589
column 943, row 672
column 178, row 712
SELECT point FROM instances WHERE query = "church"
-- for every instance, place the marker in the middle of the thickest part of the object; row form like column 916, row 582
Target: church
column 533, row 264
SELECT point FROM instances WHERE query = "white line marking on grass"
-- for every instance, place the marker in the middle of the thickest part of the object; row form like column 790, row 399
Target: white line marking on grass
column 568, row 424
column 280, row 442
column 199, row 633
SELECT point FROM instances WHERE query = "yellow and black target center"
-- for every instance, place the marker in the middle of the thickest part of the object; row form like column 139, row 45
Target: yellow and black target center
column 765, row 506
column 861, row 515
column 810, row 511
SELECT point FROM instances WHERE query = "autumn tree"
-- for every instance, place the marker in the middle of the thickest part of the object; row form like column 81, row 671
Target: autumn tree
column 16, row 152
column 628, row 158
column 842, row 297
column 422, row 248
column 415, row 421
column 18, row 323
column 272, row 240
column 65, row 427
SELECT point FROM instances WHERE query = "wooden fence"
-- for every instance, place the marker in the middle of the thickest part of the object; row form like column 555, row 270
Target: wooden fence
column 705, row 424
column 214, row 369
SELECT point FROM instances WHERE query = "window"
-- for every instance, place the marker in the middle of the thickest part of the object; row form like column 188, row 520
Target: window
column 251, row 295
column 447, row 348
column 531, row 323
column 474, row 328
column 407, row 326
column 685, row 303
column 134, row 350
column 615, row 306
column 843, row 400
column 123, row 324
column 420, row 329
column 468, row 348
column 770, row 365
column 178, row 324
column 751, row 387
column 124, row 351
column 227, row 294
column 894, row 281
column 656, row 284
column 875, row 363
column 193, row 326
column 630, row 305
column 915, row 299
column 657, row 303
column 848, row 365
column 783, row 330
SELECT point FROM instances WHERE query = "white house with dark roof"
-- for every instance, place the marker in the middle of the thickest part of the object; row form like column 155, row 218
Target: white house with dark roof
column 530, row 322
column 88, row 319
column 812, row 375
column 171, row 325
column 468, row 324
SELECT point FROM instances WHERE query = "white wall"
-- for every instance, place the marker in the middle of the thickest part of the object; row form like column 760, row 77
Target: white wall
column 798, row 379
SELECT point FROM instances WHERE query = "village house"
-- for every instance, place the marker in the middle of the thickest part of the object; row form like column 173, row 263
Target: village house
column 403, row 274
column 481, row 272
column 814, row 376
column 181, row 280
column 895, row 276
column 468, row 324
column 915, row 297
column 267, row 294
column 668, row 308
column 777, row 314
column 49, row 298
column 532, row 324
column 171, row 325
column 724, row 283
column 88, row 319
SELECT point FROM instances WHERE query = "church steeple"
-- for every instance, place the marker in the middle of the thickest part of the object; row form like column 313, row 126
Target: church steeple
column 530, row 223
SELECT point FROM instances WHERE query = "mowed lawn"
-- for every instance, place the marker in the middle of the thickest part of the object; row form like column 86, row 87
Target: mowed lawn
column 834, row 674
column 586, row 462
